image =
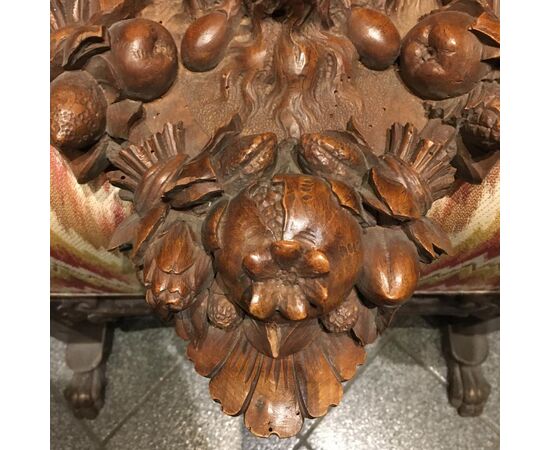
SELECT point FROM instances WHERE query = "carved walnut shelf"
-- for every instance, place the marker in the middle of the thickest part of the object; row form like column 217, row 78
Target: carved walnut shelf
column 281, row 157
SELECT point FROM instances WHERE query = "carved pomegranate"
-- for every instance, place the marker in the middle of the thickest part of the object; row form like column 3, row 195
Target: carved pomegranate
column 287, row 248
column 77, row 111
column 145, row 58
column 375, row 37
column 441, row 57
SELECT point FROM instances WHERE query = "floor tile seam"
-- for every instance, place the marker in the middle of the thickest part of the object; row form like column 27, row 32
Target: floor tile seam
column 491, row 424
column 370, row 359
column 419, row 361
column 81, row 423
column 138, row 405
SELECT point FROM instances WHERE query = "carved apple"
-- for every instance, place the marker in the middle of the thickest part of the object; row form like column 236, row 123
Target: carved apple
column 144, row 56
column 441, row 57
column 286, row 248
column 77, row 111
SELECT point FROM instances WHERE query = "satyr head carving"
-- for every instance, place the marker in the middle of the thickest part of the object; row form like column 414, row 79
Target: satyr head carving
column 278, row 254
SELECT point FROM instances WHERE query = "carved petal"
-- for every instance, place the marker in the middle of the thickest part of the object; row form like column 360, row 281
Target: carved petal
column 430, row 239
column 233, row 384
column 212, row 351
column 274, row 407
column 390, row 269
column 195, row 184
column 365, row 328
column 317, row 384
column 342, row 353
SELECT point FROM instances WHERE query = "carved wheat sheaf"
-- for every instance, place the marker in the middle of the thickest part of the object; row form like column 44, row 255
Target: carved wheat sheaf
column 278, row 254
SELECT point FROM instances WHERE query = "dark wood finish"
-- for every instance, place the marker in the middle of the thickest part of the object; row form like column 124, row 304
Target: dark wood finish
column 288, row 240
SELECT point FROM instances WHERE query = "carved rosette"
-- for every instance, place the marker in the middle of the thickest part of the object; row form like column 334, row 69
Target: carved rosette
column 279, row 255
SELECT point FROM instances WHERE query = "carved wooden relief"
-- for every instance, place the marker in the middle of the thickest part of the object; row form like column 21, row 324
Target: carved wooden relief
column 285, row 242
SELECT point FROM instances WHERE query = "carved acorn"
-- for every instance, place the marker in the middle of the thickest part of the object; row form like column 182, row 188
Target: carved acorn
column 205, row 41
column 176, row 269
column 441, row 57
column 77, row 111
column 375, row 37
column 144, row 56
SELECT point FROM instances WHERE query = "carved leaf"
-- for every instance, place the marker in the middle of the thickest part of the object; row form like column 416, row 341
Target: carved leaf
column 429, row 238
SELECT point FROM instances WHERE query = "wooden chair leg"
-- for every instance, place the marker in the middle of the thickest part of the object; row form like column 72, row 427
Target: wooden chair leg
column 86, row 357
column 466, row 347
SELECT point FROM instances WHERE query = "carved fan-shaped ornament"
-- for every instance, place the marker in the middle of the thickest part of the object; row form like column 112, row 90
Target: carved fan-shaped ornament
column 281, row 157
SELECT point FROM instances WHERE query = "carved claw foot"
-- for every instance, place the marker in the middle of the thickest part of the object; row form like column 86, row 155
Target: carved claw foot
column 468, row 389
column 86, row 391
column 85, row 356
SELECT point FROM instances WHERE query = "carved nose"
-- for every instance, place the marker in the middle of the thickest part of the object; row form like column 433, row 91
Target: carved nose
column 286, row 253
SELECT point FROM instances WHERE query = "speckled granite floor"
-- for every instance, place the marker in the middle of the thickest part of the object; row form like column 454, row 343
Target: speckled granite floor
column 154, row 400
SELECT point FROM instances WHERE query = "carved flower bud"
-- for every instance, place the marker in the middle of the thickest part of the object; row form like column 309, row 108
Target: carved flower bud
column 205, row 41
column 441, row 57
column 145, row 58
column 390, row 266
column 375, row 37
column 176, row 269
column 332, row 154
column 77, row 111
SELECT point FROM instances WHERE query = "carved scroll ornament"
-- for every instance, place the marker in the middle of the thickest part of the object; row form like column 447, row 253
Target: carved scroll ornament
column 279, row 254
